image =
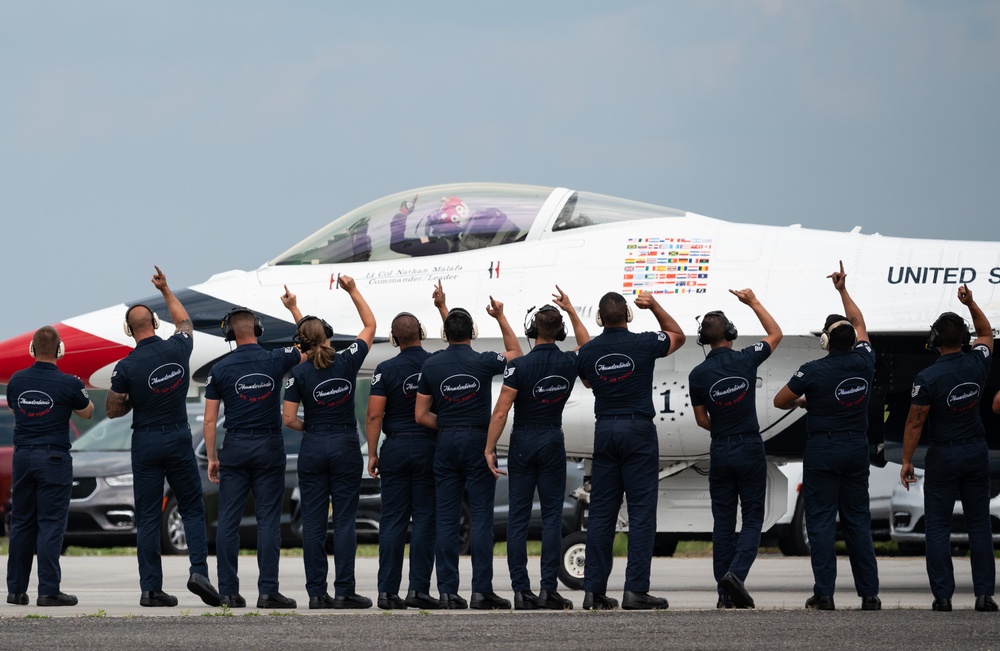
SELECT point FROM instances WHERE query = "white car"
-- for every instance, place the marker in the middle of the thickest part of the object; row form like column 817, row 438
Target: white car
column 790, row 529
column 908, row 515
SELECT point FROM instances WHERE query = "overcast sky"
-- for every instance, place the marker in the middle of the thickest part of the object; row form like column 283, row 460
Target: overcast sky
column 207, row 136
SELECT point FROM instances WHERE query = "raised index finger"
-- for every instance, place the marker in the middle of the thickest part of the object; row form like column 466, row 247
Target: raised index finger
column 158, row 272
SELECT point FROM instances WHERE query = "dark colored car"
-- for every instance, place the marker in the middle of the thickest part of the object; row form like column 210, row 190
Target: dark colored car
column 102, row 507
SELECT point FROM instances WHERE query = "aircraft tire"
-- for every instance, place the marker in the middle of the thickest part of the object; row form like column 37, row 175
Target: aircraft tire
column 796, row 543
column 572, row 560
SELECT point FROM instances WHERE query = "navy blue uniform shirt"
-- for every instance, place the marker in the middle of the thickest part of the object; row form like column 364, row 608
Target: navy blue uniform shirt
column 460, row 383
column 726, row 385
column 248, row 381
column 43, row 399
column 396, row 380
column 155, row 376
column 618, row 365
column 837, row 388
column 543, row 378
column 327, row 394
column 952, row 387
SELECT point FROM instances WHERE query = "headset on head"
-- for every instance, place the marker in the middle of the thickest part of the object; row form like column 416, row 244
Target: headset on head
column 824, row 339
column 227, row 328
column 297, row 337
column 729, row 330
column 934, row 338
column 392, row 335
column 128, row 328
column 628, row 315
column 60, row 349
column 531, row 327
column 461, row 310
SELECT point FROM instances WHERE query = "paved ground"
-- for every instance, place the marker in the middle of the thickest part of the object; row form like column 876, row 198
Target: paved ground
column 109, row 615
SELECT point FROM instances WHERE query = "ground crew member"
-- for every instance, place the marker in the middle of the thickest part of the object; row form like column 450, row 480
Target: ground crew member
column 330, row 464
column 835, row 389
column 537, row 385
column 42, row 400
column 248, row 383
column 405, row 466
column 153, row 380
column 723, row 395
column 618, row 366
column 454, row 397
column 946, row 395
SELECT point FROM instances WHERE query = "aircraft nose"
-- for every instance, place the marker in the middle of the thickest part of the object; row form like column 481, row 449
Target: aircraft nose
column 85, row 353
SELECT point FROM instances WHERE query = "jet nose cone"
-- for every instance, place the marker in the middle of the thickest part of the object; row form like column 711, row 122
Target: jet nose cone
column 85, row 353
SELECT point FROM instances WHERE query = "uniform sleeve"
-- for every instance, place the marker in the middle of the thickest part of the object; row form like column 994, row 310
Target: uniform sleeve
column 984, row 359
column 212, row 387
column 660, row 342
column 495, row 362
column 864, row 349
column 379, row 382
column 695, row 393
column 799, row 382
column 759, row 352
column 80, row 398
column 510, row 376
column 423, row 383
column 290, row 356
column 184, row 341
column 119, row 379
column 355, row 355
column 292, row 389
column 919, row 393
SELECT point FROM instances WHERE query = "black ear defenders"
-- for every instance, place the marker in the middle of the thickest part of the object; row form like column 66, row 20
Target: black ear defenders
column 60, row 349
column 227, row 328
column 531, row 328
column 934, row 338
column 729, row 330
column 297, row 338
column 128, row 328
column 420, row 327
column 824, row 339
column 628, row 315
column 460, row 310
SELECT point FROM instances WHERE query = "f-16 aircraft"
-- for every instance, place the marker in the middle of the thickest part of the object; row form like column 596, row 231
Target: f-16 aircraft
column 515, row 242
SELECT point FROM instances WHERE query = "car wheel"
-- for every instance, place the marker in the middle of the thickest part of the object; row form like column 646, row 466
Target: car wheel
column 465, row 530
column 173, row 540
column 664, row 545
column 574, row 556
column 796, row 543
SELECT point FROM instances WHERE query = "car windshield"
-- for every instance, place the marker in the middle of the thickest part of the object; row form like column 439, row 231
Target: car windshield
column 428, row 221
column 116, row 435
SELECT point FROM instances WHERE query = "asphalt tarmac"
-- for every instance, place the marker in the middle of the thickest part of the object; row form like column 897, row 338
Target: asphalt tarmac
column 109, row 615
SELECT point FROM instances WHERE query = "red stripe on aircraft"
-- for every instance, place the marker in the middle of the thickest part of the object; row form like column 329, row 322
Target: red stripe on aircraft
column 85, row 353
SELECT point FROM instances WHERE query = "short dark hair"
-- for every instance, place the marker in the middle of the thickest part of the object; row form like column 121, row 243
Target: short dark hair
column 613, row 309
column 713, row 328
column 549, row 323
column 45, row 341
column 952, row 330
column 843, row 336
column 406, row 329
column 458, row 325
column 243, row 323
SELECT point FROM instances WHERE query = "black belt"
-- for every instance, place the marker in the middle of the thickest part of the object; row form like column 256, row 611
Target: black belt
column 954, row 442
column 160, row 428
column 253, row 431
column 315, row 429
column 846, row 433
column 537, row 426
column 411, row 432
column 42, row 446
column 625, row 417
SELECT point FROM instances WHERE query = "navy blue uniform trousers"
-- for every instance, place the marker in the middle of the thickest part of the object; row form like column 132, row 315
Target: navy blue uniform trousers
column 958, row 470
column 250, row 461
column 460, row 467
column 42, row 483
column 329, row 471
column 626, row 460
column 406, row 471
column 835, row 471
column 158, row 454
column 737, row 475
column 537, row 461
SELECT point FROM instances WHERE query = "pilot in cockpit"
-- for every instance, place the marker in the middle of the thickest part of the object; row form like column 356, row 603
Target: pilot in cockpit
column 449, row 227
